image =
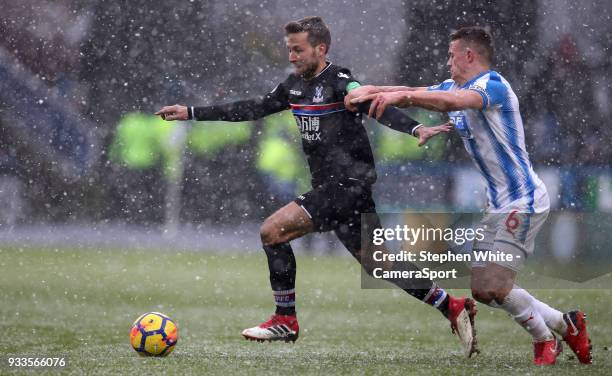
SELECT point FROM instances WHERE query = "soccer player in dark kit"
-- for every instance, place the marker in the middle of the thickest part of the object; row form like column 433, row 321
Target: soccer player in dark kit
column 342, row 167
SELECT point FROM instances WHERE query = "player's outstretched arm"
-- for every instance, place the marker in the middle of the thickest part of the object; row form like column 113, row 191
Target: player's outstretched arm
column 389, row 89
column 372, row 89
column 176, row 112
column 430, row 100
column 399, row 121
column 356, row 93
column 243, row 110
column 392, row 118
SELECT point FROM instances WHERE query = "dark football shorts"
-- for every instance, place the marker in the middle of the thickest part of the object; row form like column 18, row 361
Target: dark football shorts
column 337, row 206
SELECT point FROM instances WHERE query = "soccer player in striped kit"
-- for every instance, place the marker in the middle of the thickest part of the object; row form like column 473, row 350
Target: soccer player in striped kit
column 485, row 113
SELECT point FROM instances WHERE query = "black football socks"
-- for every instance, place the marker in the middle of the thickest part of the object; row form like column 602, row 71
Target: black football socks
column 281, row 263
column 423, row 289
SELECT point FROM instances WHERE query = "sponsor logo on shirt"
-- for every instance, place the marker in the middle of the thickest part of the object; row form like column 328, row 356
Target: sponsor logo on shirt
column 461, row 126
column 309, row 127
column 343, row 75
column 295, row 92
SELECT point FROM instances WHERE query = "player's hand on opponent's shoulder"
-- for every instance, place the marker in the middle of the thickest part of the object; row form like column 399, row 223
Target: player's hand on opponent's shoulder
column 425, row 133
column 356, row 93
column 176, row 112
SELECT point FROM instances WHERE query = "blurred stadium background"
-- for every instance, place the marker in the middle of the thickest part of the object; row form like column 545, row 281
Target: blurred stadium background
column 83, row 162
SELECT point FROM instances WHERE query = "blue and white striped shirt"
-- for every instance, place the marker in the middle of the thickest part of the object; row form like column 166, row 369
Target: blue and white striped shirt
column 495, row 139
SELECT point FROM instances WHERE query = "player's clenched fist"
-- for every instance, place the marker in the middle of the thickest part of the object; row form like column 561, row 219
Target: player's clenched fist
column 176, row 112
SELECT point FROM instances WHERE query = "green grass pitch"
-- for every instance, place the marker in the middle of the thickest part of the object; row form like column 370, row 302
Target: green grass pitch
column 81, row 304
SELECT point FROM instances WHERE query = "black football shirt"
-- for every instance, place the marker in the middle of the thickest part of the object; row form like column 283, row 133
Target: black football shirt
column 334, row 139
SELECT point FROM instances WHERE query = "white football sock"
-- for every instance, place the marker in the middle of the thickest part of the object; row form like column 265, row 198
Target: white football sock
column 552, row 317
column 520, row 305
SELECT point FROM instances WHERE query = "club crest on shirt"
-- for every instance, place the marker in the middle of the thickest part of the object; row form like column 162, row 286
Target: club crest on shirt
column 478, row 86
column 318, row 97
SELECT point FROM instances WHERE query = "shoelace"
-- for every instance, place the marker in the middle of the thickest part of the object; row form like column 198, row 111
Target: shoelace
column 569, row 322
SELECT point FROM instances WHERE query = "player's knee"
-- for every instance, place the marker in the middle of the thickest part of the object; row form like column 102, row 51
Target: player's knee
column 483, row 295
column 270, row 233
column 488, row 295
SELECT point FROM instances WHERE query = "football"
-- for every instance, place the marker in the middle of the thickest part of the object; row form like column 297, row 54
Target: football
column 154, row 334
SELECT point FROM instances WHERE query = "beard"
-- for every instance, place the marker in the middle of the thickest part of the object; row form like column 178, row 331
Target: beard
column 307, row 68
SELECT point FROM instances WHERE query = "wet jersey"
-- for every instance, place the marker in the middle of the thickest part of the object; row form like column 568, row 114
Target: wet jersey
column 495, row 139
column 334, row 139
